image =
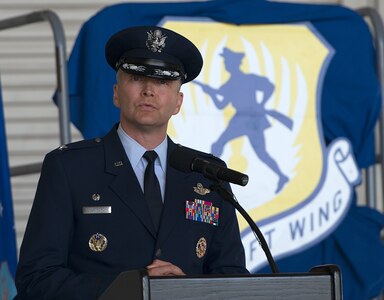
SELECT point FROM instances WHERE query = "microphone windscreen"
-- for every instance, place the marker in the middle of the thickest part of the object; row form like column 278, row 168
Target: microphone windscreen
column 181, row 159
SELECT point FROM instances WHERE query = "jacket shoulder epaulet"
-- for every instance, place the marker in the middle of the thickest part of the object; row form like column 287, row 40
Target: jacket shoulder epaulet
column 78, row 145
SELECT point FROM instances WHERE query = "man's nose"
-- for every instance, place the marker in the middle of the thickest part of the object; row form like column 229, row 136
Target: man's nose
column 148, row 88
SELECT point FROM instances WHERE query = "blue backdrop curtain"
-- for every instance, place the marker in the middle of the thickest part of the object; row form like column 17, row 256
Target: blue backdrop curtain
column 350, row 106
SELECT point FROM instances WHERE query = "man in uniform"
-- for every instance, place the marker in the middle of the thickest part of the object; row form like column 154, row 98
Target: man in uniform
column 98, row 209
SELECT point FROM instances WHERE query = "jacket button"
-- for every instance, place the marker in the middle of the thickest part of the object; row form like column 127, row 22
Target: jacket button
column 96, row 197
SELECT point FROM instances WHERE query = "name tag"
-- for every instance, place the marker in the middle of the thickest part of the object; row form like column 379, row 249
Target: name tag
column 93, row 210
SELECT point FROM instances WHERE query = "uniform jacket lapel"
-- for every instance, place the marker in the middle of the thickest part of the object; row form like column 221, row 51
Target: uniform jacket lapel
column 176, row 193
column 125, row 184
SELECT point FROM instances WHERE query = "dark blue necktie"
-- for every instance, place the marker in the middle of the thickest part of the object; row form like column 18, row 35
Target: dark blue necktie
column 152, row 193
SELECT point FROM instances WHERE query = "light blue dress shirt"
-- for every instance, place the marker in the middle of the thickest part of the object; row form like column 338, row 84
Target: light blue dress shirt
column 135, row 153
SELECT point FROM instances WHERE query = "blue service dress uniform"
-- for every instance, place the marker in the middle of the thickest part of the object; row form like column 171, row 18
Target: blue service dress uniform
column 58, row 258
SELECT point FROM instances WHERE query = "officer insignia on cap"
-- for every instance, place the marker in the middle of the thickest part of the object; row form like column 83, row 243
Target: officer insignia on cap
column 201, row 247
column 155, row 41
column 98, row 242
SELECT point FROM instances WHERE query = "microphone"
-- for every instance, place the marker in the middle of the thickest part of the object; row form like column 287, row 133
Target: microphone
column 186, row 161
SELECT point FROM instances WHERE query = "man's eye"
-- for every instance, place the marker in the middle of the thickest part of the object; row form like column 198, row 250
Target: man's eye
column 136, row 77
column 162, row 81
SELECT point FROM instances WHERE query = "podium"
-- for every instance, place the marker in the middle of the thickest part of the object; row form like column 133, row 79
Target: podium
column 320, row 283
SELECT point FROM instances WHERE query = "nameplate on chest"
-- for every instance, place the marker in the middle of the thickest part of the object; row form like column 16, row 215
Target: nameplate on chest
column 94, row 210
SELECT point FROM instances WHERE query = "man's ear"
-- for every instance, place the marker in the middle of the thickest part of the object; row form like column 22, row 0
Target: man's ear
column 179, row 103
column 116, row 101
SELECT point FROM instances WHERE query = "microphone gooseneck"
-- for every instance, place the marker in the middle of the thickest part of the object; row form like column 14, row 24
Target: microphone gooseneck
column 229, row 197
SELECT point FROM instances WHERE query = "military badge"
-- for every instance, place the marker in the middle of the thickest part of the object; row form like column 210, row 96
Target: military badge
column 201, row 247
column 202, row 211
column 98, row 242
column 155, row 41
column 118, row 163
column 199, row 189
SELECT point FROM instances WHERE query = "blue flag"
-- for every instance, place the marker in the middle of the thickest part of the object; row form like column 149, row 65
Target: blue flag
column 8, row 258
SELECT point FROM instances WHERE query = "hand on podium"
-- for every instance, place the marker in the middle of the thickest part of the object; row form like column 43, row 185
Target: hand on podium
column 163, row 268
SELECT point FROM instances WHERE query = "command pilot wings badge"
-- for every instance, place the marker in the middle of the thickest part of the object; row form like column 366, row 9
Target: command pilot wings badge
column 256, row 105
column 201, row 190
